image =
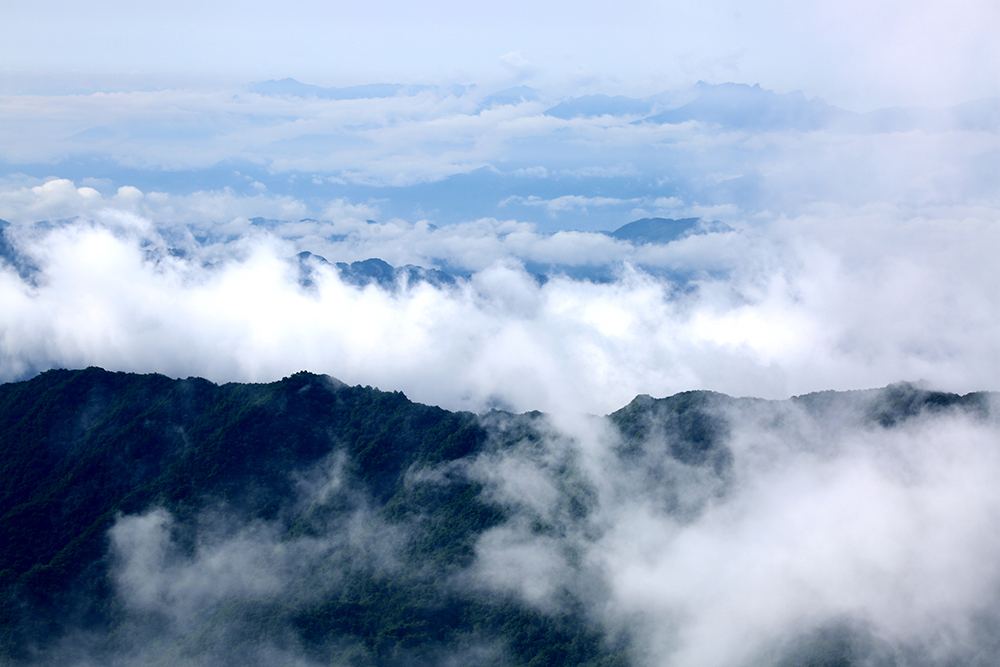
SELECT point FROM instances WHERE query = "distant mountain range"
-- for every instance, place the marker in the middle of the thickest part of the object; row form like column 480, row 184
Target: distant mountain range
column 292, row 88
column 741, row 106
column 10, row 256
column 372, row 271
column 664, row 230
column 375, row 271
column 727, row 105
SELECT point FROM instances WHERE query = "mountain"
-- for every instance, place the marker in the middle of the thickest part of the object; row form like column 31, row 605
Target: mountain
column 373, row 271
column 308, row 457
column 740, row 106
column 10, row 256
column 146, row 520
column 589, row 106
column 654, row 230
column 665, row 230
column 507, row 96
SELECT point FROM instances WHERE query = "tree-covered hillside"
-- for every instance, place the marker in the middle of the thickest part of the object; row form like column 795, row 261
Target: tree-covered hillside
column 145, row 520
column 81, row 449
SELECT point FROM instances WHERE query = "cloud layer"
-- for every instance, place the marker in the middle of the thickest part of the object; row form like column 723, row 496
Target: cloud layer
column 880, row 53
column 453, row 154
column 837, row 298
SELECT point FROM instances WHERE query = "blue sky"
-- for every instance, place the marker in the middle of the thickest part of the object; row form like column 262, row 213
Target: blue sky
column 850, row 238
column 159, row 97
column 861, row 55
column 159, row 201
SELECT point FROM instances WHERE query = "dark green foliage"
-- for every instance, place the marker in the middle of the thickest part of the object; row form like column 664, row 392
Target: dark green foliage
column 693, row 424
column 892, row 405
column 838, row 645
column 82, row 448
column 901, row 401
column 79, row 450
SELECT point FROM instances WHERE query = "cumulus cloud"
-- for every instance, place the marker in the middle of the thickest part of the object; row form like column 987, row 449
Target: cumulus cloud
column 851, row 258
column 839, row 298
column 59, row 198
column 517, row 65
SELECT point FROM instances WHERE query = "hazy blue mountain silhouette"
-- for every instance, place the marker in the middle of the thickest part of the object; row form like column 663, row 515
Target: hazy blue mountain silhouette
column 600, row 105
column 373, row 271
column 11, row 257
column 515, row 95
column 740, row 106
column 654, row 230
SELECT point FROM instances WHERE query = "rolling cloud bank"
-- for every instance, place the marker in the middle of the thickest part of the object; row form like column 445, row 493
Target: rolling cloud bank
column 566, row 321
column 469, row 248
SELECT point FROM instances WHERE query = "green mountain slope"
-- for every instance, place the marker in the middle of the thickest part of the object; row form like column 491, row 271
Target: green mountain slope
column 83, row 448
column 145, row 520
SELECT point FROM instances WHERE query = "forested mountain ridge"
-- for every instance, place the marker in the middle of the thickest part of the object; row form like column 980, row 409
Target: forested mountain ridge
column 356, row 515
column 83, row 448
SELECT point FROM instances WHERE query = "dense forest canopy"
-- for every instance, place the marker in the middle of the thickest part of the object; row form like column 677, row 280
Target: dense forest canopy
column 146, row 520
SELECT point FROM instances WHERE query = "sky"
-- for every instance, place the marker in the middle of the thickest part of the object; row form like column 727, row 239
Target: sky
column 861, row 55
column 845, row 241
column 839, row 162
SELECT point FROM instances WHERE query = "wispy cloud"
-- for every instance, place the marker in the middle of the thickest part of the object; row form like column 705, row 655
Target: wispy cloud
column 437, row 151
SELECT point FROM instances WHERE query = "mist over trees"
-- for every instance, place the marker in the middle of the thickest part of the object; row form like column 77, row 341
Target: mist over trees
column 149, row 521
column 605, row 287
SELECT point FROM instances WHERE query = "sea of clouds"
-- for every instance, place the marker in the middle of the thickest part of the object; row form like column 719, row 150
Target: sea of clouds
column 844, row 259
column 837, row 298
column 848, row 256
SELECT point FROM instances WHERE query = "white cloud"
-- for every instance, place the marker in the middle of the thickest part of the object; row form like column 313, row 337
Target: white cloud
column 517, row 65
column 567, row 202
column 822, row 521
column 836, row 299
column 57, row 199
column 668, row 202
column 429, row 137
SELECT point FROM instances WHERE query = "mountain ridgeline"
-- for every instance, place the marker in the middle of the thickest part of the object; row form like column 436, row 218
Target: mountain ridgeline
column 725, row 105
column 378, row 272
column 146, row 520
